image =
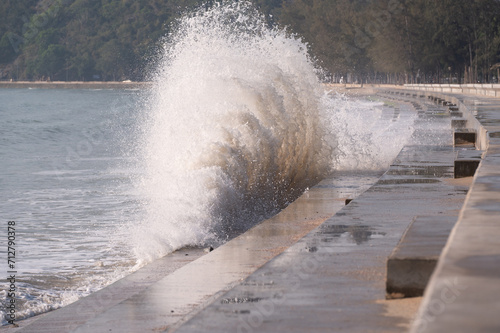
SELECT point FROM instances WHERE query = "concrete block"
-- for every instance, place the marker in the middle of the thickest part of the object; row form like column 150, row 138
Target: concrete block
column 412, row 262
column 464, row 137
column 466, row 167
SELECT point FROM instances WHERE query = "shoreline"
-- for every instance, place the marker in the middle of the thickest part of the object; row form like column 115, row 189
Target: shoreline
column 75, row 84
column 349, row 89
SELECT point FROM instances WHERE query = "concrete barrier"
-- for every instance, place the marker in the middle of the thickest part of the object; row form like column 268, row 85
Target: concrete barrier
column 463, row 294
column 491, row 90
column 434, row 93
column 464, row 138
column 412, row 262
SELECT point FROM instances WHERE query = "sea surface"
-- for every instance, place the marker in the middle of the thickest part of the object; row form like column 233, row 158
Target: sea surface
column 66, row 179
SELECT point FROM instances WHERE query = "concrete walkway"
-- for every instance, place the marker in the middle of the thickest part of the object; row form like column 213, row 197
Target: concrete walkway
column 169, row 291
column 333, row 279
column 464, row 292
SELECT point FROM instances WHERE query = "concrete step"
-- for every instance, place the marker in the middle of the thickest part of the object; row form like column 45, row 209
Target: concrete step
column 463, row 294
column 464, row 137
column 467, row 162
column 413, row 260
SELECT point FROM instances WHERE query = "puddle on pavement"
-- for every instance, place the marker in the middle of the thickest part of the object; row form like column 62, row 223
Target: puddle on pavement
column 238, row 300
column 407, row 181
column 354, row 234
column 411, row 170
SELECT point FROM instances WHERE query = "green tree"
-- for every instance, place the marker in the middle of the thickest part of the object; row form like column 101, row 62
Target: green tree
column 7, row 51
column 83, row 66
column 114, row 60
column 52, row 62
column 394, row 40
column 333, row 30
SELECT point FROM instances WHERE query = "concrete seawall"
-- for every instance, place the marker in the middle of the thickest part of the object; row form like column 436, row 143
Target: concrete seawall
column 486, row 89
column 327, row 271
column 463, row 294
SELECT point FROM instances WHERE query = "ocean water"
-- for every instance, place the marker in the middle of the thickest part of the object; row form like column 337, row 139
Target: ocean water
column 236, row 126
column 66, row 176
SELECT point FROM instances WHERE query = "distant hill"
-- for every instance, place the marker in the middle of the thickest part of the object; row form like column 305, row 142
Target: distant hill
column 363, row 40
column 82, row 39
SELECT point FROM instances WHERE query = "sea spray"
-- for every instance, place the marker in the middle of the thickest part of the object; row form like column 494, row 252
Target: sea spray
column 235, row 130
column 368, row 135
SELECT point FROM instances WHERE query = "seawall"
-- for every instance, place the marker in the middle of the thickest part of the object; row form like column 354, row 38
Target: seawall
column 329, row 271
column 463, row 294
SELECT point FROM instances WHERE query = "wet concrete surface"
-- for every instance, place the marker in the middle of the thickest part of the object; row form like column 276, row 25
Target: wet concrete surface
column 333, row 279
column 411, row 264
column 167, row 292
column 464, row 292
column 70, row 317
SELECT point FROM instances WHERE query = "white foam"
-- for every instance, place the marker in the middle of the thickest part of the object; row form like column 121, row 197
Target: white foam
column 367, row 136
column 235, row 130
column 238, row 126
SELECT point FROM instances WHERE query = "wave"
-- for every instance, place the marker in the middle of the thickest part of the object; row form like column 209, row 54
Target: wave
column 235, row 130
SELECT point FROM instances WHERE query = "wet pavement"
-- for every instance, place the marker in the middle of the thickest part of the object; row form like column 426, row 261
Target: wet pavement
column 166, row 293
column 464, row 292
column 334, row 278
column 411, row 264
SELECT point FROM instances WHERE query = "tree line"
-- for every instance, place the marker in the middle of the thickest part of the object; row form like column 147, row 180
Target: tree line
column 379, row 41
column 398, row 41
column 82, row 39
